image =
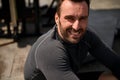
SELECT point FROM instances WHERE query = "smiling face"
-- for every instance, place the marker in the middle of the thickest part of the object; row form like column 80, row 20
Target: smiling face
column 72, row 21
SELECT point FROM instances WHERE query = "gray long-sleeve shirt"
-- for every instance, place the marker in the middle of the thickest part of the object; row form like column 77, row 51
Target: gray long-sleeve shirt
column 50, row 58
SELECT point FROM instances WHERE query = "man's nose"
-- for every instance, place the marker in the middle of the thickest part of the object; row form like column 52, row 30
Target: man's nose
column 76, row 25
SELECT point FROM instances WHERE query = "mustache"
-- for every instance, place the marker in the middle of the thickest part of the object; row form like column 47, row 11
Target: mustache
column 76, row 31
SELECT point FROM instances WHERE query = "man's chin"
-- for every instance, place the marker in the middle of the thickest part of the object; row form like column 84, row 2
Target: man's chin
column 74, row 41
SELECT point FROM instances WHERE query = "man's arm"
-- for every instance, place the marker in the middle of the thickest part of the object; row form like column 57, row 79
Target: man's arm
column 105, row 55
column 55, row 64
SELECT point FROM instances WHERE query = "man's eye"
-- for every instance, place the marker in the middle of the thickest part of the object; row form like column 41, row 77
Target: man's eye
column 83, row 18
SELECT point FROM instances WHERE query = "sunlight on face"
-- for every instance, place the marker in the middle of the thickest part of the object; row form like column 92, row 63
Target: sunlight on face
column 72, row 22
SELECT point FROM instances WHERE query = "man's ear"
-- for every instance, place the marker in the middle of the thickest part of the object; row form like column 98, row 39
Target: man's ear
column 56, row 18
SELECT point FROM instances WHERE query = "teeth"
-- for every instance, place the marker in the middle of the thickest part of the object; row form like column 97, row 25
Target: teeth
column 75, row 32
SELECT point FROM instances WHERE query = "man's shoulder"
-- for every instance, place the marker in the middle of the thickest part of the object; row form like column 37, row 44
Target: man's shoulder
column 46, row 37
column 48, row 41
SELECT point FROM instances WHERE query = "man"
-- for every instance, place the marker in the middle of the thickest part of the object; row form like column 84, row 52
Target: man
column 59, row 54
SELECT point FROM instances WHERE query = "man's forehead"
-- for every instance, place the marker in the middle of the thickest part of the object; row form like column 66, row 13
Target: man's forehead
column 68, row 4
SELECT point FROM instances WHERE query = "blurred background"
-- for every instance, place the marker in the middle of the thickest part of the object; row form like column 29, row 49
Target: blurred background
column 23, row 21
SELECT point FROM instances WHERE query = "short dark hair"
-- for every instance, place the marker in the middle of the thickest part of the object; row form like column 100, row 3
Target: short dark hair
column 61, row 1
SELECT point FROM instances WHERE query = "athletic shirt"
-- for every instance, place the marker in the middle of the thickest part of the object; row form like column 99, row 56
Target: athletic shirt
column 51, row 58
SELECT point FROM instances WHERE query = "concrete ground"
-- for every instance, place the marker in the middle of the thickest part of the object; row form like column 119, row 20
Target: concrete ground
column 12, row 58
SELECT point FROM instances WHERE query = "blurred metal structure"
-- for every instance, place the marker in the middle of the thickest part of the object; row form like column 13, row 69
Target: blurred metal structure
column 15, row 12
column 5, row 18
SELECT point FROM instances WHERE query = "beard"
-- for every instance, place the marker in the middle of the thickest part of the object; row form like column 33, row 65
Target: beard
column 69, row 34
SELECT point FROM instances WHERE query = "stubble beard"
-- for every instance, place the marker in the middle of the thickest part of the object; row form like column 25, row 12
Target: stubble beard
column 67, row 34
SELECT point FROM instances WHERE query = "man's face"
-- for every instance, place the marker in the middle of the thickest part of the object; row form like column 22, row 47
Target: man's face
column 72, row 22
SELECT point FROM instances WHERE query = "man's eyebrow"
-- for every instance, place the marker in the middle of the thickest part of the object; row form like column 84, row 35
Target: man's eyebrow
column 69, row 16
column 73, row 17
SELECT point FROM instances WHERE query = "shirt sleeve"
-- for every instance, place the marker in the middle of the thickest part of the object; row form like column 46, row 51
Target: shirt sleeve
column 55, row 64
column 105, row 55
